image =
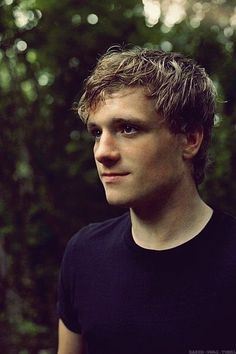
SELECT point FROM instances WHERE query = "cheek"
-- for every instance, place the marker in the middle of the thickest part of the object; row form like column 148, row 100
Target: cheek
column 160, row 162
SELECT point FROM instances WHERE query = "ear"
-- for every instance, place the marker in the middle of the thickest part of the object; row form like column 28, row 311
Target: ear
column 193, row 141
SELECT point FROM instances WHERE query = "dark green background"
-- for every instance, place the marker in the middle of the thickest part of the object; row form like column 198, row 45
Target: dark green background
column 48, row 182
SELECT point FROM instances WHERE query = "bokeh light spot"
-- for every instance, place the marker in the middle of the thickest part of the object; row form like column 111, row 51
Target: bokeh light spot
column 166, row 46
column 76, row 19
column 8, row 2
column 92, row 19
column 31, row 56
column 43, row 80
column 21, row 45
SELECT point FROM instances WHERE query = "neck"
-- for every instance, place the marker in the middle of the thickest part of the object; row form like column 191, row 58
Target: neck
column 170, row 222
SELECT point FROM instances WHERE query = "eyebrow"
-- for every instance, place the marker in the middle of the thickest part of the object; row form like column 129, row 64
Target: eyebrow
column 118, row 120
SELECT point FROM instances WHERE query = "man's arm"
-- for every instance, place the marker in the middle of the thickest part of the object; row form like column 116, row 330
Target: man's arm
column 69, row 342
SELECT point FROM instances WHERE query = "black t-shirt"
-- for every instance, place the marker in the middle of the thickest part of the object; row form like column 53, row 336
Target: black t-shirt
column 126, row 299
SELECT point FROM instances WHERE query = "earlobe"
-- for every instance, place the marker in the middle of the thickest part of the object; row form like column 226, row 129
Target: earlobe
column 193, row 141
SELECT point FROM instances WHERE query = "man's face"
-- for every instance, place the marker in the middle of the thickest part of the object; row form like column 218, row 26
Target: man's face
column 138, row 159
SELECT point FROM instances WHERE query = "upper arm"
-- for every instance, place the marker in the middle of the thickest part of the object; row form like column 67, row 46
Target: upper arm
column 69, row 342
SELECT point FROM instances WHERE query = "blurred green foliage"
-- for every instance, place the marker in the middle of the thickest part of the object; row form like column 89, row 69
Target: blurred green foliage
column 48, row 182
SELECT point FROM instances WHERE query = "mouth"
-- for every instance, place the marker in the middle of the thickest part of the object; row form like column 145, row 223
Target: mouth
column 111, row 177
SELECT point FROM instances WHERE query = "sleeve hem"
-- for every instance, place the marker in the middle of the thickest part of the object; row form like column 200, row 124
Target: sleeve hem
column 69, row 326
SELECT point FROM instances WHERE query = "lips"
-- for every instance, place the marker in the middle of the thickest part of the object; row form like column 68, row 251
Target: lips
column 110, row 174
column 111, row 177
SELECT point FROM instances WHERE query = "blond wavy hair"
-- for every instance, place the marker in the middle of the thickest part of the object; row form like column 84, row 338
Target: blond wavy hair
column 183, row 93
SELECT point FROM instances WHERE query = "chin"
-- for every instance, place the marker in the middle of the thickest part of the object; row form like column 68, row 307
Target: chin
column 118, row 201
column 122, row 202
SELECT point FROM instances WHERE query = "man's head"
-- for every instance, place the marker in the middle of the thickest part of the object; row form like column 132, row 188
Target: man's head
column 184, row 95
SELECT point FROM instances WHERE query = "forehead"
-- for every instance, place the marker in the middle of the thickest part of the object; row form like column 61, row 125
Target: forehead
column 126, row 102
column 112, row 94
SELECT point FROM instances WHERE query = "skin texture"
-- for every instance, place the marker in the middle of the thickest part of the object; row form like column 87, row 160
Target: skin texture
column 130, row 139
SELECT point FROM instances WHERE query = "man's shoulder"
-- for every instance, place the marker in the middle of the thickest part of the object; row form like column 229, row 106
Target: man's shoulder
column 225, row 220
column 100, row 230
column 223, row 228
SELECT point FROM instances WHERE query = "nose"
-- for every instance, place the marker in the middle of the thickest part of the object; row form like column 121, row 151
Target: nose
column 106, row 150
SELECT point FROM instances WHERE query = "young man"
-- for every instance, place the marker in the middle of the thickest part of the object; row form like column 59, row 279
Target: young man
column 162, row 277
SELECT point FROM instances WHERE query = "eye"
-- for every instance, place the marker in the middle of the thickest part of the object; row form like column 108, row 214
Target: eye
column 129, row 129
column 95, row 132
